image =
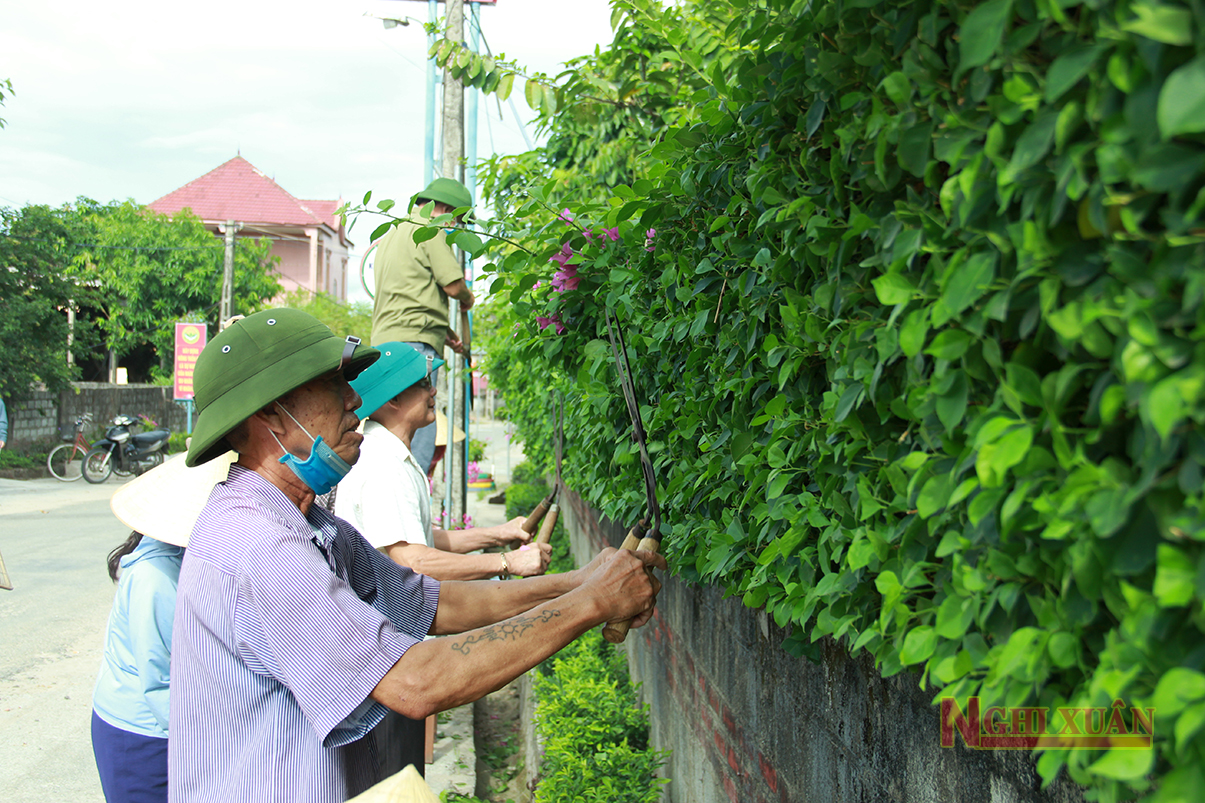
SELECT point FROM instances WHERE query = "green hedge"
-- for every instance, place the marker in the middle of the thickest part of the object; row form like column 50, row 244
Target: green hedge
column 912, row 293
column 594, row 734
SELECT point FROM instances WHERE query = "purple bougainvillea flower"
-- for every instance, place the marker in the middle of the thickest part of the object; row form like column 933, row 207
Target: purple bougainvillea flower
column 546, row 322
column 564, row 256
column 536, row 286
column 589, row 235
column 648, row 240
column 566, row 216
column 566, row 279
column 612, row 234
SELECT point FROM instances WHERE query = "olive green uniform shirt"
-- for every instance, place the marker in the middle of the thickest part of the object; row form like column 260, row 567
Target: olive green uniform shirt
column 410, row 304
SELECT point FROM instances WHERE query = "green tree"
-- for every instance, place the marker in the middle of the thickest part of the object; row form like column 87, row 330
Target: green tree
column 149, row 271
column 35, row 252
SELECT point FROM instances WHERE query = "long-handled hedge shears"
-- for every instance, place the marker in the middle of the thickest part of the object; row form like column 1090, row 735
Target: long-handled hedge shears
column 533, row 520
column 640, row 536
column 550, row 520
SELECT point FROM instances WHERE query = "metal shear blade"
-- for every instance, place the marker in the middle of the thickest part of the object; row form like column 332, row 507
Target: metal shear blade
column 620, row 350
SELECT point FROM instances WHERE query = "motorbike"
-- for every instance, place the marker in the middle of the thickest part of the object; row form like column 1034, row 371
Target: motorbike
column 124, row 453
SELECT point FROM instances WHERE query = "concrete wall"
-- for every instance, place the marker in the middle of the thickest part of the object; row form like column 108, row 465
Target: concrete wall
column 42, row 416
column 747, row 722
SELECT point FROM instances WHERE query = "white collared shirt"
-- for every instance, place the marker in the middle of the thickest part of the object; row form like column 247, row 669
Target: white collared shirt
column 385, row 495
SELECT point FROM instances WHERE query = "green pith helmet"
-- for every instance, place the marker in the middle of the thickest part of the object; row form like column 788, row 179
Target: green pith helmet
column 255, row 361
column 446, row 191
column 400, row 366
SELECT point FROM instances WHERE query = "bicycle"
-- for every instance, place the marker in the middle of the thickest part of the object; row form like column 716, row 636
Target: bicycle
column 65, row 461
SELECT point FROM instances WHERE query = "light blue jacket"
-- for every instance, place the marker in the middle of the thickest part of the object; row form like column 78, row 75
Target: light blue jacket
column 132, row 690
column 3, row 422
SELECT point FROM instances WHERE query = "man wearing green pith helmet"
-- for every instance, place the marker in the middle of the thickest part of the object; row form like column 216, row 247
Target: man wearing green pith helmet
column 292, row 635
column 413, row 284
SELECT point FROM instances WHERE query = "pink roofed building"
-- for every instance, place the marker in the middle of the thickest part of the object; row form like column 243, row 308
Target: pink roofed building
column 309, row 237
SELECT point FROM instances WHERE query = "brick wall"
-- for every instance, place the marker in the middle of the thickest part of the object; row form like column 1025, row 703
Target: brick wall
column 43, row 416
column 747, row 722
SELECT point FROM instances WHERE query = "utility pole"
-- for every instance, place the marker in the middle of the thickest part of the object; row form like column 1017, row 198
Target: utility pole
column 453, row 167
column 453, row 123
column 225, row 311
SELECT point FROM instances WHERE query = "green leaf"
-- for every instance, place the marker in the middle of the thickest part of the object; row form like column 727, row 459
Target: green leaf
column 969, row 282
column 952, row 405
column 995, row 459
column 533, row 92
column 893, row 288
column 982, row 32
column 918, row 645
column 505, row 84
column 1171, row 25
column 898, row 88
column 1175, row 577
column 1063, row 648
column 913, row 332
column 1069, row 68
column 467, row 241
column 1016, row 656
column 913, row 153
column 953, row 618
column 1181, row 108
column 1124, row 765
column 950, row 344
column 424, row 233
column 1177, row 687
column 1189, row 724
column 933, row 495
column 1034, row 143
column 1166, row 405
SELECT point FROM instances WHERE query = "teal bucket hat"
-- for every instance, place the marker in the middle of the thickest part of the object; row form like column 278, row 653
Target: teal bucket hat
column 255, row 361
column 400, row 366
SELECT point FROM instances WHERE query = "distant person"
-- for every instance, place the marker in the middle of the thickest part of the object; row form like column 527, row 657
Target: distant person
column 413, row 285
column 386, row 496
column 130, row 700
column 4, row 424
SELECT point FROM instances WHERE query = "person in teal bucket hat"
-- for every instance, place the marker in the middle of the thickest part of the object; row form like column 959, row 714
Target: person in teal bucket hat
column 292, row 635
column 386, row 495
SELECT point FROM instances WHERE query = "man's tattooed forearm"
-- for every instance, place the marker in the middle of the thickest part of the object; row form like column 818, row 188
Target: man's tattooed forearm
column 510, row 629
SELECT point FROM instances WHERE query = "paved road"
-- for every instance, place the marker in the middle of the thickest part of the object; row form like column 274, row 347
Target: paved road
column 54, row 537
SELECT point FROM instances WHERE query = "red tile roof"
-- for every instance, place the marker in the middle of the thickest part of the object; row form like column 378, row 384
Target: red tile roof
column 325, row 210
column 238, row 191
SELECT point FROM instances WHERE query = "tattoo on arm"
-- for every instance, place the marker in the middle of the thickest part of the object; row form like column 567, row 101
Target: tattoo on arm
column 503, row 631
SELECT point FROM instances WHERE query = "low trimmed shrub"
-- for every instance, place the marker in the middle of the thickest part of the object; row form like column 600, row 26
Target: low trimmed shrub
column 595, row 733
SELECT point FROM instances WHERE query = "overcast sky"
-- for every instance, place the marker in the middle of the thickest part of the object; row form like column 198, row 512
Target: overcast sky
column 134, row 99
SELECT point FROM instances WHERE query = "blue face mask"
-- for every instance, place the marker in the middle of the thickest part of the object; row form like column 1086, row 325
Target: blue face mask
column 322, row 470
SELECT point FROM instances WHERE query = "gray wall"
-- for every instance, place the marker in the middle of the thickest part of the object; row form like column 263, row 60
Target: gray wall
column 747, row 722
column 42, row 416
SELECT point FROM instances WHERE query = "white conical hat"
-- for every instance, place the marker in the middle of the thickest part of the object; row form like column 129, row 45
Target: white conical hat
column 441, row 430
column 406, row 786
column 164, row 503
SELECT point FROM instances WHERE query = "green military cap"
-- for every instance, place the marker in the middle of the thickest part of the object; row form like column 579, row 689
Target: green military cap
column 255, row 361
column 447, row 191
column 400, row 366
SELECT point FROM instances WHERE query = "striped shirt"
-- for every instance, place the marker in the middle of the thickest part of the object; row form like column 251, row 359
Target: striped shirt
column 284, row 625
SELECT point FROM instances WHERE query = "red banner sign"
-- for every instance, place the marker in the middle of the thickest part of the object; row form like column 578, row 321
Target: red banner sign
column 190, row 339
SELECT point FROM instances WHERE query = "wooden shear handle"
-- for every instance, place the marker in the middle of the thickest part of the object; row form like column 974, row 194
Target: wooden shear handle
column 533, row 521
column 549, row 523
